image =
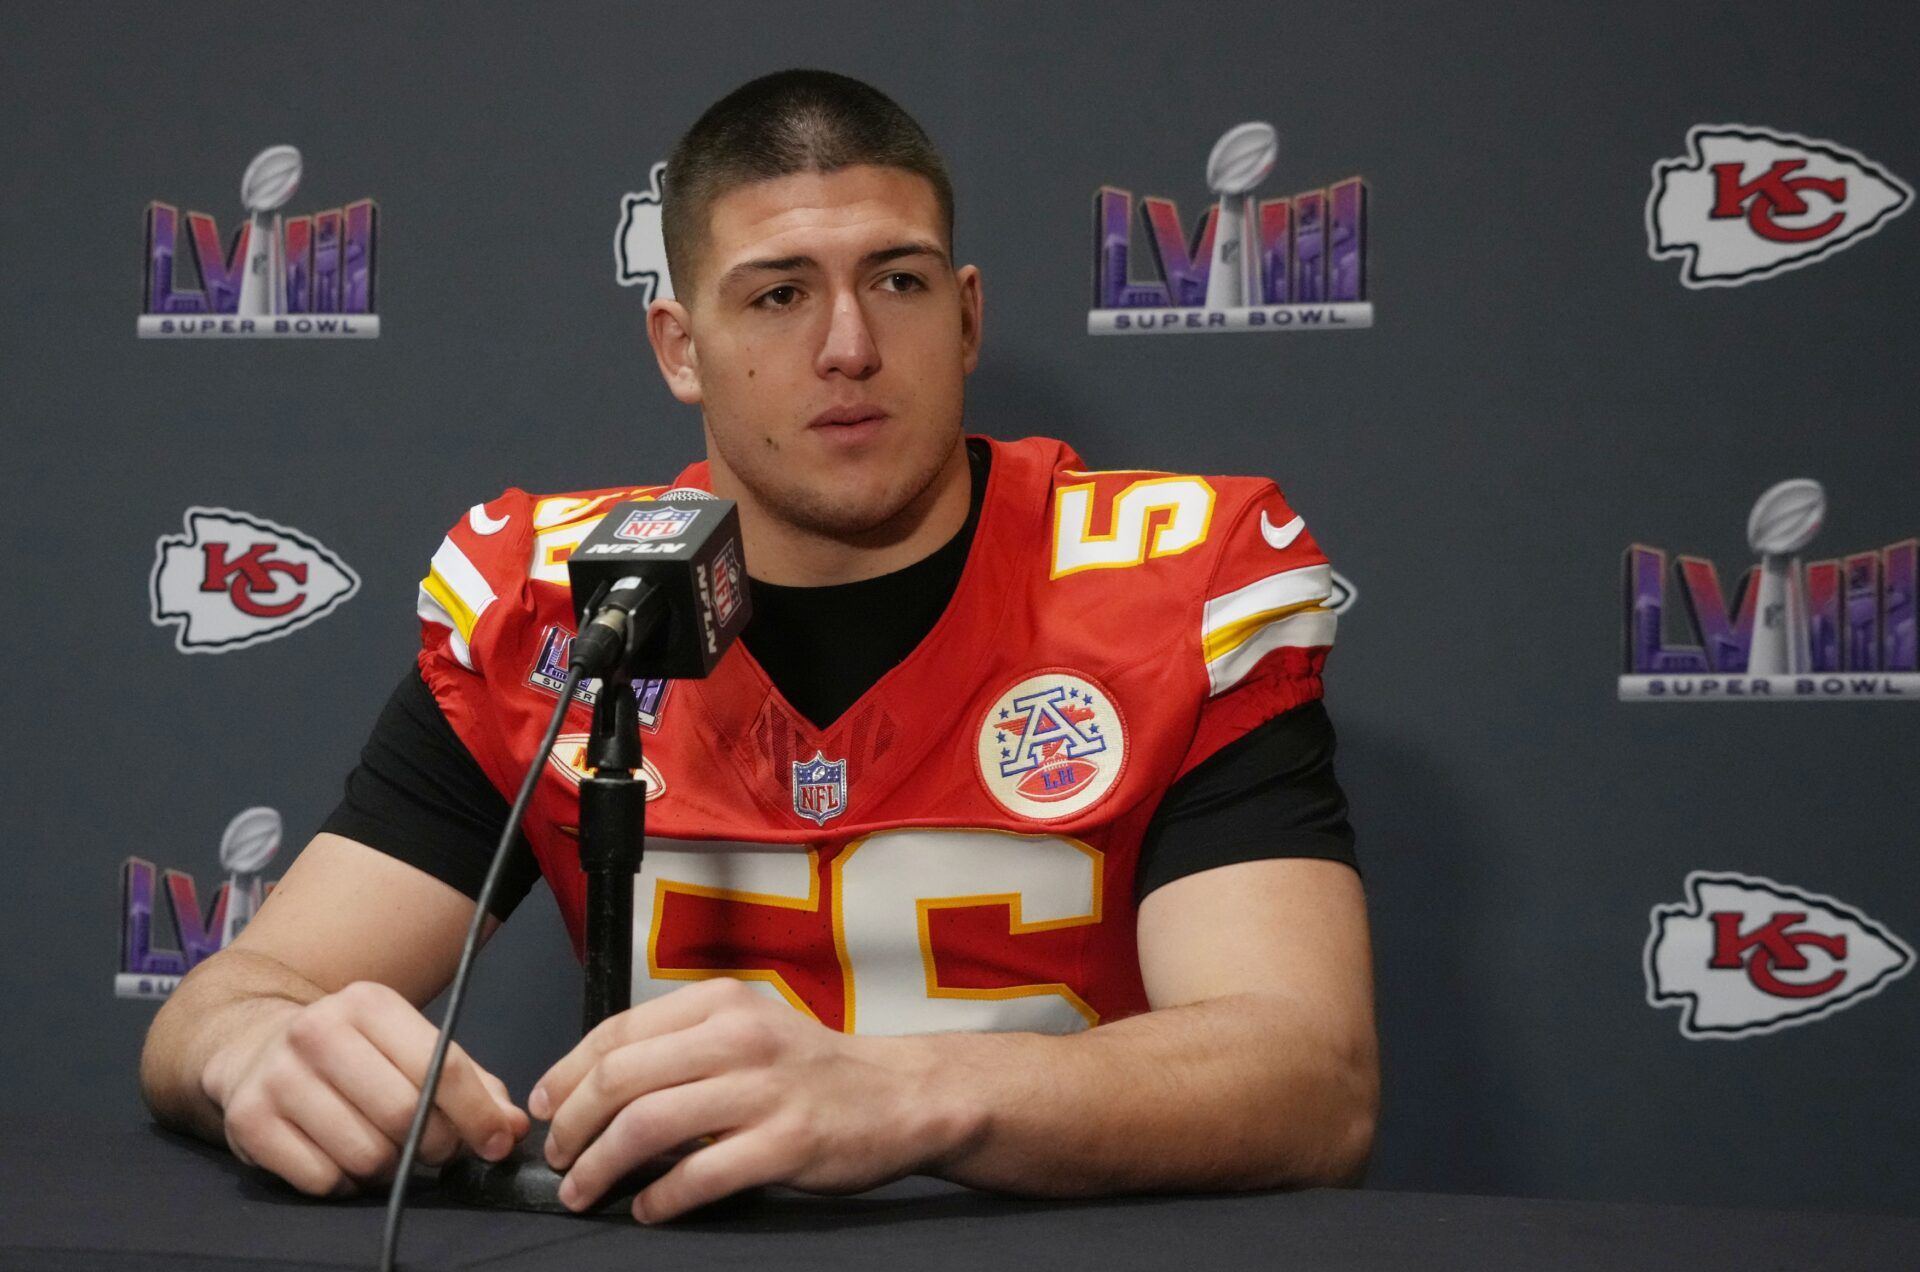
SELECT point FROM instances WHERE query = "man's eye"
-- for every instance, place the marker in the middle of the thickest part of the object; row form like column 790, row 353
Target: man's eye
column 904, row 282
column 779, row 298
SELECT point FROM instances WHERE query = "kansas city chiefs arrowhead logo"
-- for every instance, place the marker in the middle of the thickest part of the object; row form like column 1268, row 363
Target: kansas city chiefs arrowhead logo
column 1745, row 955
column 639, row 250
column 1746, row 203
column 234, row 580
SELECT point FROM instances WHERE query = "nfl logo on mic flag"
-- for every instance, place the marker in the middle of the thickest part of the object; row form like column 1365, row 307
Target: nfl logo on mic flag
column 656, row 523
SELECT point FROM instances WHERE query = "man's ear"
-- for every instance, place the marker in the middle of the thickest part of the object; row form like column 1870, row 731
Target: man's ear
column 968, row 278
column 670, row 332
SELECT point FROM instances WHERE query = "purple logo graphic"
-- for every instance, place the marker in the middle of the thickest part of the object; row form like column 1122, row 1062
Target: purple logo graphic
column 1265, row 265
column 1838, row 628
column 550, row 673
column 150, row 969
column 307, row 276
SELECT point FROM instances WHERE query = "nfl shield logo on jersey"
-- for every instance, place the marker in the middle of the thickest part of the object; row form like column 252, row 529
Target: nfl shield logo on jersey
column 820, row 788
column 656, row 523
column 1052, row 746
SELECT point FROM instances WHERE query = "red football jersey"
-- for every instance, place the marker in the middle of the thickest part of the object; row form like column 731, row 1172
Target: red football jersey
column 957, row 850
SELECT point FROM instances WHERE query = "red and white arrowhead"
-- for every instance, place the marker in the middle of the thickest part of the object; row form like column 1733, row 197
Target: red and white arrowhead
column 233, row 580
column 1744, row 955
column 1747, row 203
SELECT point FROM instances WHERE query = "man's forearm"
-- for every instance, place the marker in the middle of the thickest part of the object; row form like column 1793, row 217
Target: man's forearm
column 1237, row 1092
column 222, row 1004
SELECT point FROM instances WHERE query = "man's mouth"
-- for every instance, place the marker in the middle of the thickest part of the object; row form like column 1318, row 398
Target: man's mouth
column 847, row 417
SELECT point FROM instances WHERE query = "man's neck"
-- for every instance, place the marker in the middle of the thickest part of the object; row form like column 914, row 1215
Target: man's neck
column 787, row 555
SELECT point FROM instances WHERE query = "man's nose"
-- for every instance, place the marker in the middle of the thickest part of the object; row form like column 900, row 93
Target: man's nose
column 849, row 347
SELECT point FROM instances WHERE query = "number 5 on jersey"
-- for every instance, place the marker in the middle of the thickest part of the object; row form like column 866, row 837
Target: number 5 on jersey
column 1152, row 517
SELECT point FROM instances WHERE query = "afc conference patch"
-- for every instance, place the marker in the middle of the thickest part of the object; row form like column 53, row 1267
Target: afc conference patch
column 819, row 788
column 1052, row 746
column 656, row 523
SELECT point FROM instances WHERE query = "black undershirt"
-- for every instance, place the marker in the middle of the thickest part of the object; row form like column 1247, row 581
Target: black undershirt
column 419, row 795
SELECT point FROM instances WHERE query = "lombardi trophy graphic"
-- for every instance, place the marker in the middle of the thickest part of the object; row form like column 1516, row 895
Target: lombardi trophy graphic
column 1784, row 520
column 1240, row 161
column 250, row 842
column 268, row 183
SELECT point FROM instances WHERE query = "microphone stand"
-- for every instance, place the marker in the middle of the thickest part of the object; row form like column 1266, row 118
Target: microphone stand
column 613, row 821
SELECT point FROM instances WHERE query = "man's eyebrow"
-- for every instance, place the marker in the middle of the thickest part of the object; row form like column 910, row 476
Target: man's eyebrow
column 901, row 250
column 788, row 264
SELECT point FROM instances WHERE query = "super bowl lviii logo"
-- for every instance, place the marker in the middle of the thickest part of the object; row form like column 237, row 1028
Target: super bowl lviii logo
column 164, row 931
column 1292, row 264
column 1743, row 955
column 1838, row 628
column 302, row 277
column 1746, row 203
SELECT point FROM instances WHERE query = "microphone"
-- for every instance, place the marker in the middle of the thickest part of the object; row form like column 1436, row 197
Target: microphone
column 604, row 637
column 666, row 582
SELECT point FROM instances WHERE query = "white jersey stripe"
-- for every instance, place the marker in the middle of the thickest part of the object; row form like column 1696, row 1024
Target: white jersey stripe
column 469, row 588
column 1305, row 629
column 434, row 612
column 1285, row 590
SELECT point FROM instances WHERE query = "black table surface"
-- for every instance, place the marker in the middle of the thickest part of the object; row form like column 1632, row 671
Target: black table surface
column 109, row 1199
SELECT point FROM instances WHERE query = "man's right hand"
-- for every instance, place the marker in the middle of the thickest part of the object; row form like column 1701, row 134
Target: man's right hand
column 323, row 1094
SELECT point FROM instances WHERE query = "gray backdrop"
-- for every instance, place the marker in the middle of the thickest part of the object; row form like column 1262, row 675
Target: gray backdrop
column 1536, row 394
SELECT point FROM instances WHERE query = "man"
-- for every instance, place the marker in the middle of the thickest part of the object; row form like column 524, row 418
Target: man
column 1008, row 750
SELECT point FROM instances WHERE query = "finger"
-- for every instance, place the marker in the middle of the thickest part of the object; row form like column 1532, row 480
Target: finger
column 342, row 1132
column 707, row 1174
column 649, row 1126
column 368, row 1080
column 521, row 1122
column 681, row 1009
column 407, row 1039
column 286, row 1151
column 624, row 1075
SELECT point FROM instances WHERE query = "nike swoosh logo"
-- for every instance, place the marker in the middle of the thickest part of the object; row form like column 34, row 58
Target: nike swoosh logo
column 1280, row 537
column 483, row 524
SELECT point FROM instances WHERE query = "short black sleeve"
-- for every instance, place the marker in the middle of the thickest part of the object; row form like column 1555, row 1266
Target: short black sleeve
column 419, row 795
column 1269, row 794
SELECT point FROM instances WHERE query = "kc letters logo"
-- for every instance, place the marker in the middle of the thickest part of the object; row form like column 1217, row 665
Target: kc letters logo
column 639, row 249
column 1839, row 628
column 304, row 277
column 1746, row 203
column 234, row 580
column 1744, row 955
column 149, row 966
column 1297, row 263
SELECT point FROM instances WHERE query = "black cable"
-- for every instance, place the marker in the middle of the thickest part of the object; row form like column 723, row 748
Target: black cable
column 397, row 1198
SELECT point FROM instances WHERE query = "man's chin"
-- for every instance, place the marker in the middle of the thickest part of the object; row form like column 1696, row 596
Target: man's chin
column 850, row 517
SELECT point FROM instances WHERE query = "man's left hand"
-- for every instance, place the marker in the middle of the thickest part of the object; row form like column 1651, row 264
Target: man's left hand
column 778, row 1097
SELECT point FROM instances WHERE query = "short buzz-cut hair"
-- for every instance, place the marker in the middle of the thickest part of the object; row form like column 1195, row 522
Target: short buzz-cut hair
column 780, row 124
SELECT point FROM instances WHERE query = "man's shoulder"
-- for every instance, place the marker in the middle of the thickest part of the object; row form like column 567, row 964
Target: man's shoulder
column 513, row 546
column 1147, row 522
